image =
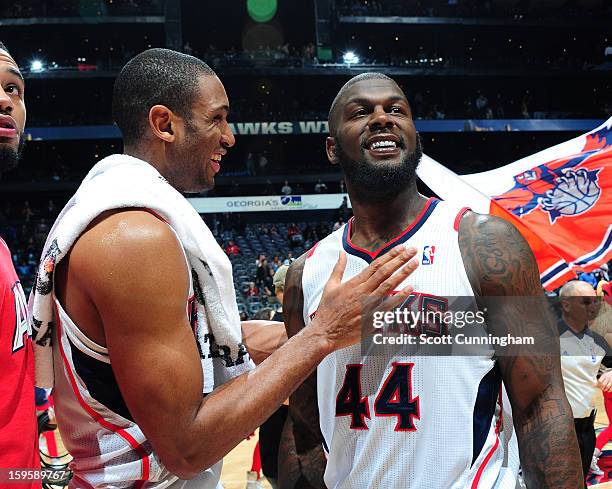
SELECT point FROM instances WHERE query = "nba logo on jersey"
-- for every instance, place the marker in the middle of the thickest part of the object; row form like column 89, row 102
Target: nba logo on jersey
column 428, row 255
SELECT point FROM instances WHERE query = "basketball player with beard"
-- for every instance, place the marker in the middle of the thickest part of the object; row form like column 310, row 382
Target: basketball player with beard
column 405, row 421
column 18, row 427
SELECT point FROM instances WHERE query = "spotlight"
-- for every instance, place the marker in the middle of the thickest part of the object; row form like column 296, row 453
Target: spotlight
column 36, row 65
column 350, row 58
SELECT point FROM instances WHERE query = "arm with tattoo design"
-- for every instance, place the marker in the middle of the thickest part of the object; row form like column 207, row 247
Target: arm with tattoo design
column 500, row 263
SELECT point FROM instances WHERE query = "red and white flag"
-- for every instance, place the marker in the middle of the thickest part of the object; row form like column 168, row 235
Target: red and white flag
column 560, row 199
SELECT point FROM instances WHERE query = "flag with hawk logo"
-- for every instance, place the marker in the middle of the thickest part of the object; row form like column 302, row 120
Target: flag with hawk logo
column 560, row 199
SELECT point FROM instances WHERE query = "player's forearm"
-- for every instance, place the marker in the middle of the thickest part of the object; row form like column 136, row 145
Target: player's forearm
column 547, row 441
column 236, row 409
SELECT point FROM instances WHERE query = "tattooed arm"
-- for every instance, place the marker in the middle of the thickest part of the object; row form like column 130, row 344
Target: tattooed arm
column 301, row 459
column 500, row 263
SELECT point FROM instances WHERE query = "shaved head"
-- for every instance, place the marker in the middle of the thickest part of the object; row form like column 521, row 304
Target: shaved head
column 342, row 94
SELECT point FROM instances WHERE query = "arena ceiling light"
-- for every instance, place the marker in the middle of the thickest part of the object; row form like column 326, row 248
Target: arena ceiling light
column 262, row 10
column 36, row 65
column 350, row 58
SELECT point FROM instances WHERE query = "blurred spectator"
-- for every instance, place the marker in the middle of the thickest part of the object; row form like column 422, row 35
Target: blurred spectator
column 250, row 164
column 260, row 259
column 232, row 248
column 524, row 109
column 343, row 210
column 338, row 224
column 276, row 263
column 294, row 235
column 320, row 187
column 252, row 290
column 588, row 278
column 27, row 213
column 286, row 189
column 51, row 210
column 481, row 104
column 268, row 283
column 263, row 270
column 263, row 163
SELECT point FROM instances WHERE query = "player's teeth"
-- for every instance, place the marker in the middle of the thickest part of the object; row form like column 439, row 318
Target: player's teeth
column 383, row 144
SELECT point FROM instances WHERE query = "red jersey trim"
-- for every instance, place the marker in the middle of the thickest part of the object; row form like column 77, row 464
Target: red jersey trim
column 460, row 214
column 138, row 448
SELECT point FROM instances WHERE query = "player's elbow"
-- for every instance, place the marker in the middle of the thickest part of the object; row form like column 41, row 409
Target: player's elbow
column 187, row 466
column 179, row 466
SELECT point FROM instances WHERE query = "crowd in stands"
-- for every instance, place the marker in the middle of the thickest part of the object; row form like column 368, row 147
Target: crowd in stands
column 284, row 55
column 258, row 250
column 518, row 9
column 71, row 8
column 24, row 227
column 492, row 102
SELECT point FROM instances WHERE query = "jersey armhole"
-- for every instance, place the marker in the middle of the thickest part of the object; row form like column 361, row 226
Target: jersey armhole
column 456, row 223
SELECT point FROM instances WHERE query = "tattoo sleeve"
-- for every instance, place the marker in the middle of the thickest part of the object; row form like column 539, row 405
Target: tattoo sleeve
column 301, row 457
column 500, row 263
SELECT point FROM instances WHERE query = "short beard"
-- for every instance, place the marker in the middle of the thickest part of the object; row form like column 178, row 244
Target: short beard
column 379, row 182
column 9, row 157
column 185, row 177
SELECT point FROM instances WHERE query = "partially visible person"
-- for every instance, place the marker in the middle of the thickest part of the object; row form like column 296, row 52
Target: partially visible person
column 294, row 236
column 276, row 263
column 320, row 187
column 18, row 425
column 262, row 339
column 286, row 188
column 604, row 289
column 290, row 259
column 252, row 290
column 262, row 272
column 148, row 343
column 232, row 249
column 583, row 351
column 588, row 277
column 401, row 419
column 602, row 325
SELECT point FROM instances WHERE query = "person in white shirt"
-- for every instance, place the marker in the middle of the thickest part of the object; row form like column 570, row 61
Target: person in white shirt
column 582, row 353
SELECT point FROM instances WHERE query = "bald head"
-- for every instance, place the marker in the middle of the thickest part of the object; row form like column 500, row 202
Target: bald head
column 579, row 304
column 577, row 288
column 341, row 96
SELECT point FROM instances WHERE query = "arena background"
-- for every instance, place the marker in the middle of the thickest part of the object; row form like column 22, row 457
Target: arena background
column 489, row 82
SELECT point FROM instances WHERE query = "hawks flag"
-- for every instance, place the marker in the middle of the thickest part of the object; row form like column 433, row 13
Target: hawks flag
column 560, row 199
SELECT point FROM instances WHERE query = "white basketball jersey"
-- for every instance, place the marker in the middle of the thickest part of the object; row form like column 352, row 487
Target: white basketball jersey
column 109, row 449
column 410, row 422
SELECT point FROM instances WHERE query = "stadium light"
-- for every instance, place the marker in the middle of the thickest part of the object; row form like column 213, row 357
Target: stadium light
column 350, row 58
column 36, row 65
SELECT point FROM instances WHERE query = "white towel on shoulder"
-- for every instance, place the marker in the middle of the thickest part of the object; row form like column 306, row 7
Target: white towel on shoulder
column 120, row 181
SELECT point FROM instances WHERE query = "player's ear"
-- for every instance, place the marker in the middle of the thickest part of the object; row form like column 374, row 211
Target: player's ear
column 331, row 150
column 162, row 122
